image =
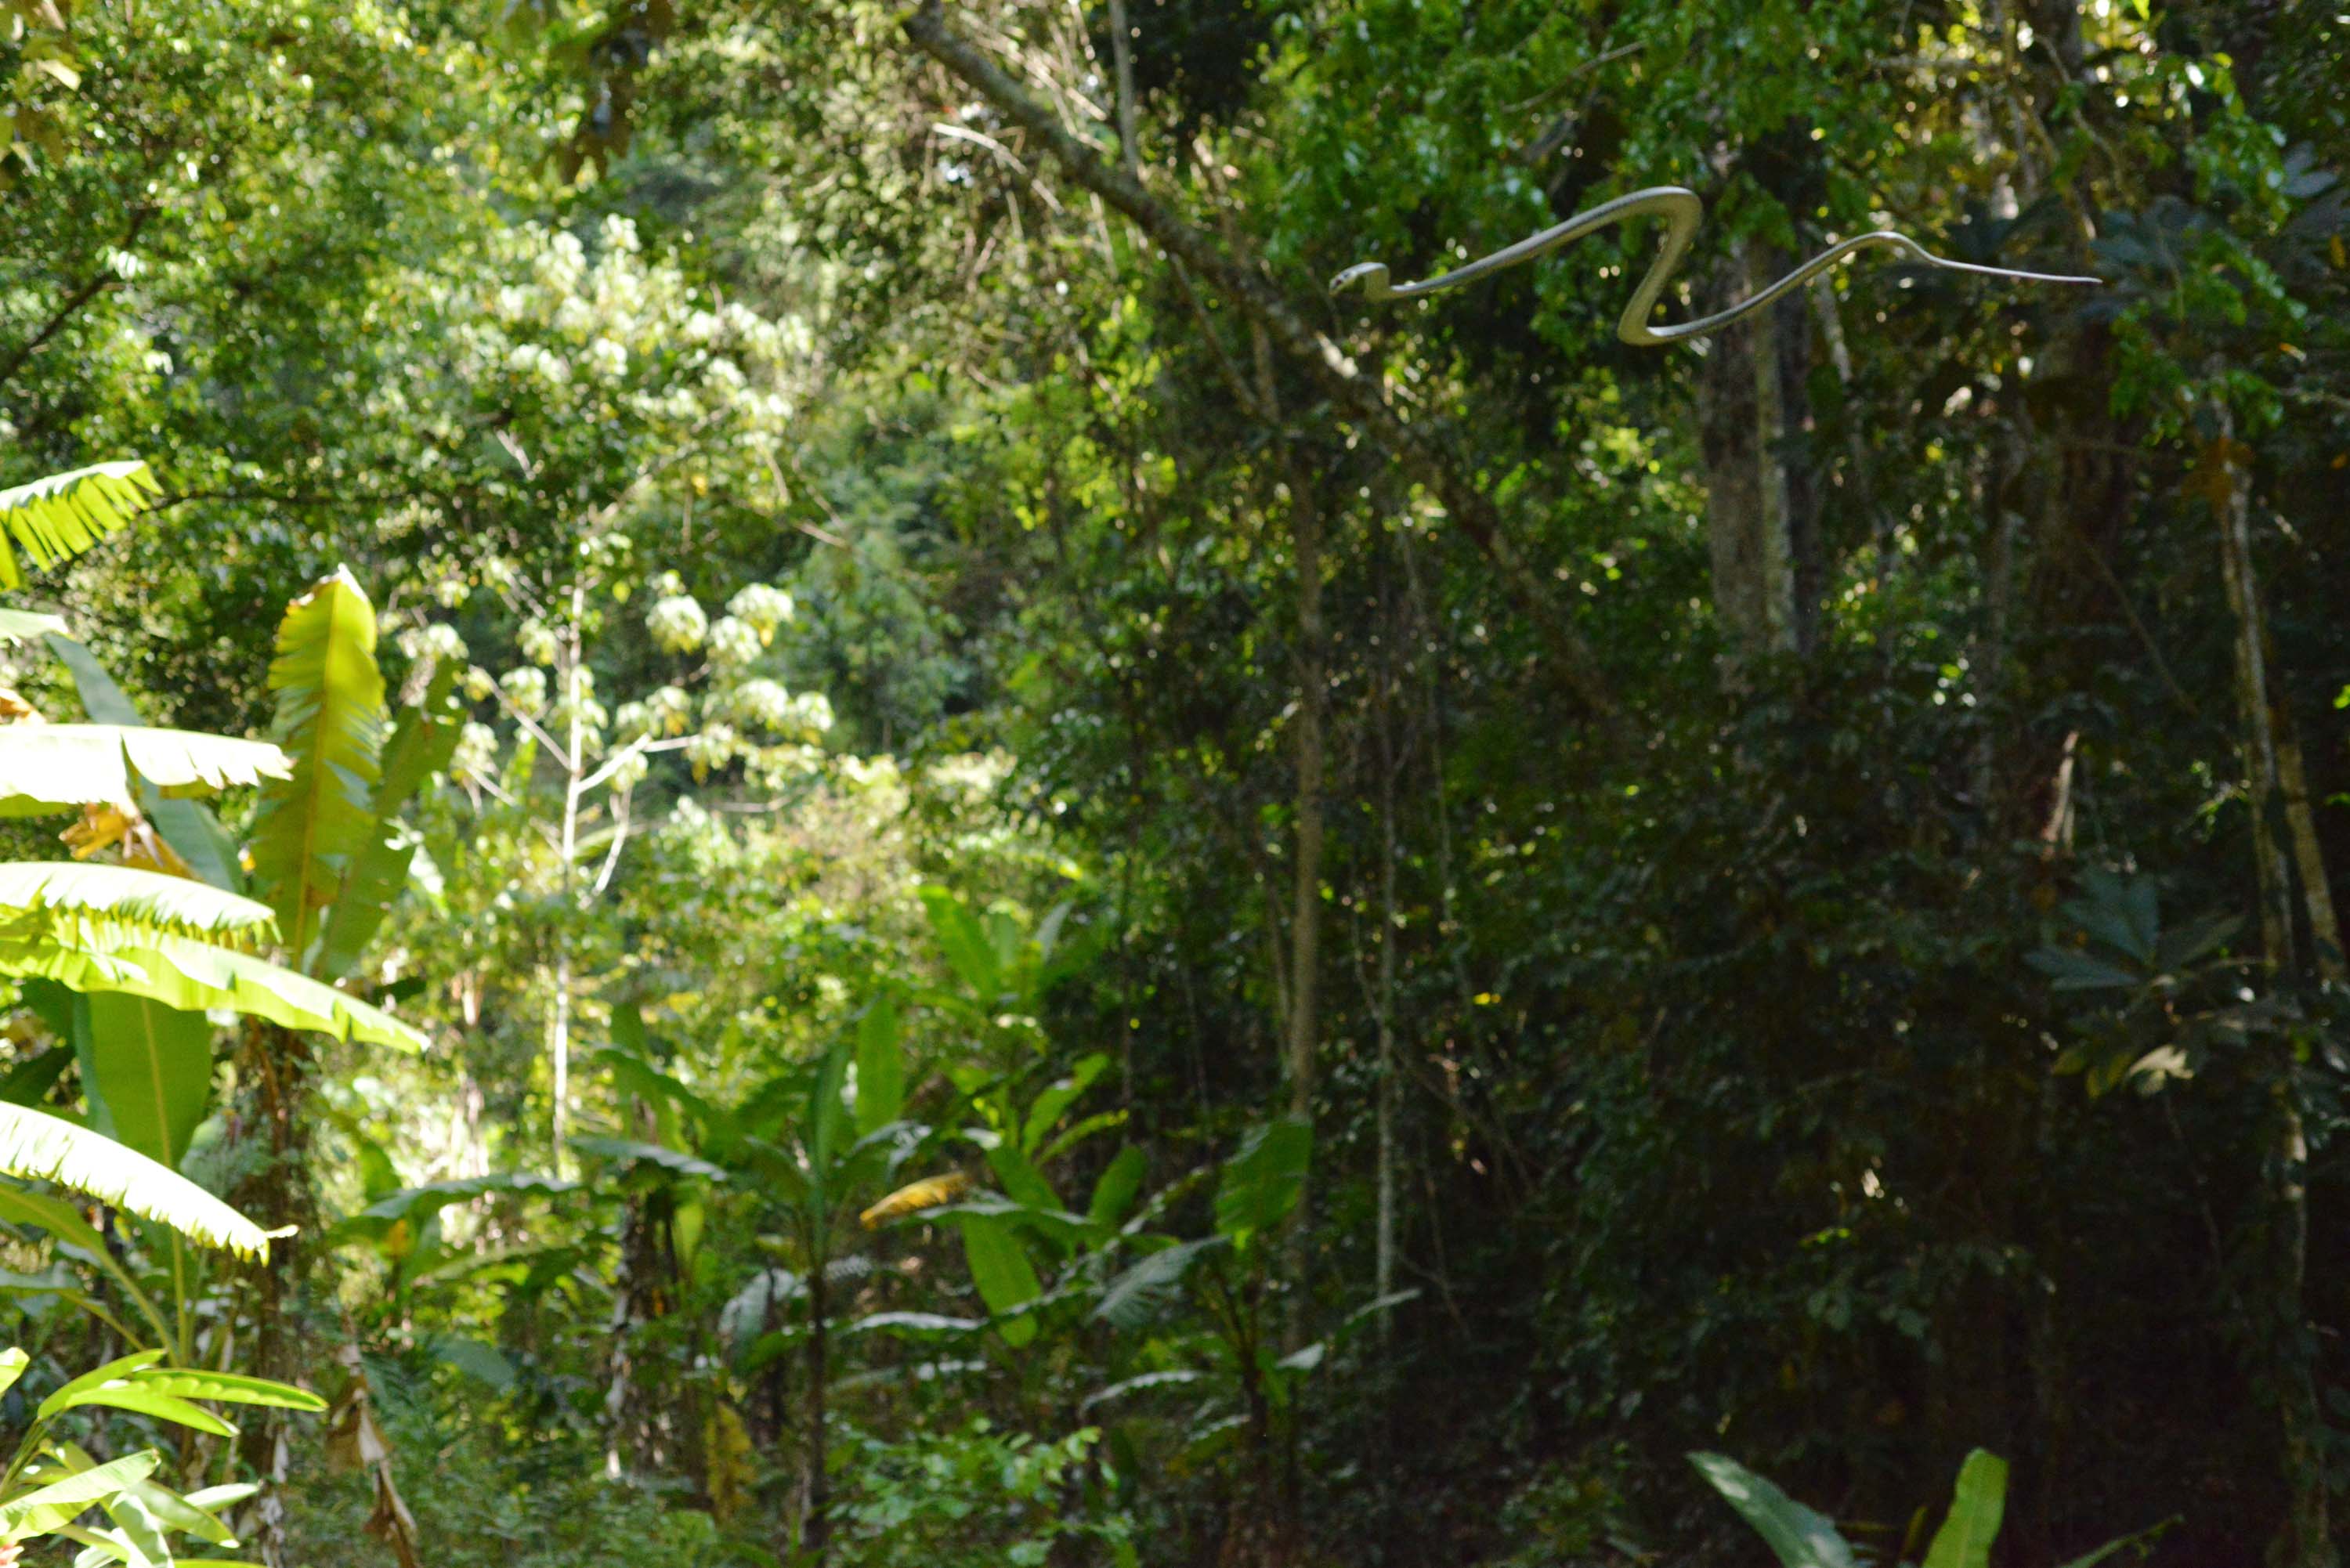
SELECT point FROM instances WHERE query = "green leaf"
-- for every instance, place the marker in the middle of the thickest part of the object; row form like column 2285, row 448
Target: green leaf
column 56, row 518
column 97, row 1377
column 181, row 1513
column 824, row 1110
column 73, row 896
column 1000, row 1270
column 1263, row 1181
column 964, row 941
column 62, row 767
column 1023, row 1182
column 1149, row 1289
column 626, row 1151
column 40, row 1512
column 28, row 1082
column 418, row 1204
column 422, row 743
column 1114, row 1194
column 34, row 1143
column 13, row 1363
column 126, row 1395
column 148, row 1074
column 1964, row 1540
column 330, row 721
column 227, row 1388
column 1801, row 1538
column 22, row 626
column 1050, row 1106
column 196, row 976
column 880, row 1066
column 186, row 826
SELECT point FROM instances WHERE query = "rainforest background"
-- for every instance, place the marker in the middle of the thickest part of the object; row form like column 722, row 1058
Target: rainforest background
column 1451, row 909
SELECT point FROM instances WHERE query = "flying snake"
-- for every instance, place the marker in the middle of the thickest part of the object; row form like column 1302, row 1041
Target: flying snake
column 1682, row 212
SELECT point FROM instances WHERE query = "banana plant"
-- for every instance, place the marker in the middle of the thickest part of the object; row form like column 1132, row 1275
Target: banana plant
column 1801, row 1538
column 50, row 1485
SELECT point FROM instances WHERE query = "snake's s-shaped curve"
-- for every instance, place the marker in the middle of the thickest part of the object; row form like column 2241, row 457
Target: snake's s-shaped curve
column 1681, row 210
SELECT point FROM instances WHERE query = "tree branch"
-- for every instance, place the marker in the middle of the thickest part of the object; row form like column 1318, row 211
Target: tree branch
column 1356, row 395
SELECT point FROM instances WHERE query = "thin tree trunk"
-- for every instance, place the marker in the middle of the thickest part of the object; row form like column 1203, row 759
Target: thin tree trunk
column 1384, row 1254
column 1305, row 911
column 815, row 1523
column 2308, row 854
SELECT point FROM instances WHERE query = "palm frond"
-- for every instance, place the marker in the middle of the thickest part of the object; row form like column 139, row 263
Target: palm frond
column 330, row 721
column 60, row 767
column 37, row 1145
column 60, row 894
column 57, row 518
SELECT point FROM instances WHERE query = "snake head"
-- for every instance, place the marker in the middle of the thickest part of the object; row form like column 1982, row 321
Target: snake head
column 1372, row 277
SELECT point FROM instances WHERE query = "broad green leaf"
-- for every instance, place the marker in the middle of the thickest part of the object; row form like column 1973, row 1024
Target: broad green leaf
column 41, row 1512
column 626, row 1151
column 186, row 825
column 964, row 941
column 1050, row 1106
column 138, row 1528
column 1981, row 1498
column 13, row 1363
column 1114, row 1194
column 330, row 721
column 1148, row 1289
column 62, row 767
column 1077, row 1132
column 422, row 741
column 177, row 1513
column 28, row 1082
column 66, row 1225
column 483, row 1363
column 57, row 518
column 825, row 1111
column 22, row 626
column 1801, row 1538
column 227, row 1388
column 418, row 1204
column 147, row 1402
column 1262, row 1182
column 1023, row 1182
column 196, row 976
column 72, row 897
column 149, row 1073
column 34, row 1143
column 97, row 1377
column 1000, row 1270
column 880, row 1066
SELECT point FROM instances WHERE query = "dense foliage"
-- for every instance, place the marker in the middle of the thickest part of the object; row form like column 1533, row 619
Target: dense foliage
column 952, row 871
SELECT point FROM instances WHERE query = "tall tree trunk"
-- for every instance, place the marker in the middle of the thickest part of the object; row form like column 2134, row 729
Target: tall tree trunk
column 2303, row 1541
column 1741, row 416
column 279, row 1194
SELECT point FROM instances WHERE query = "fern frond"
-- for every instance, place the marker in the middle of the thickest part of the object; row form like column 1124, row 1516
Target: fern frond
column 36, row 1144
column 59, row 767
column 57, row 518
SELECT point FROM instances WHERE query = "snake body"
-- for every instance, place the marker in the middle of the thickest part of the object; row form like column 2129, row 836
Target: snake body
column 1682, row 212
